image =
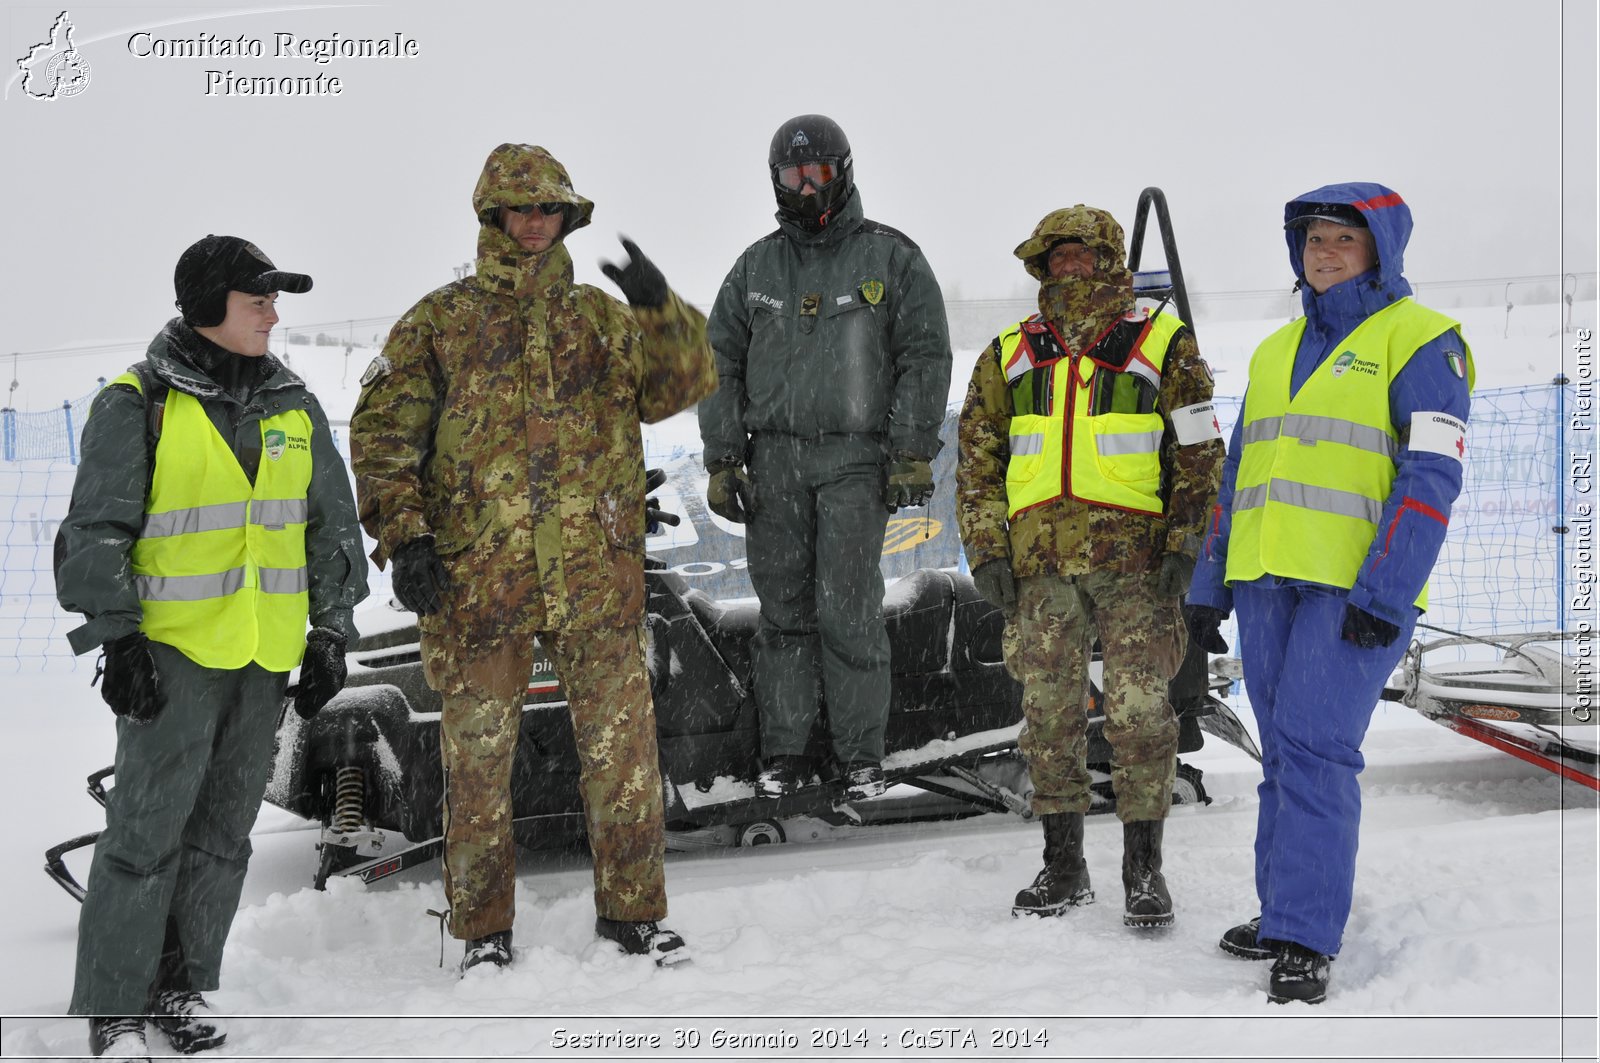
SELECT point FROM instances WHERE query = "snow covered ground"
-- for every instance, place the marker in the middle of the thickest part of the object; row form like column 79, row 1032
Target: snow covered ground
column 1473, row 937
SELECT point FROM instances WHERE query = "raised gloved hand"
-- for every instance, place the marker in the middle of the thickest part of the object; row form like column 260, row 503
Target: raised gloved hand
column 909, row 483
column 322, row 671
column 1365, row 630
column 1205, row 627
column 1176, row 572
column 728, row 494
column 132, row 687
column 419, row 576
column 641, row 282
column 997, row 584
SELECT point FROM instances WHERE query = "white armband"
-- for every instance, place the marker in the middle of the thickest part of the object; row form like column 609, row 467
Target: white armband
column 1196, row 424
column 1433, row 432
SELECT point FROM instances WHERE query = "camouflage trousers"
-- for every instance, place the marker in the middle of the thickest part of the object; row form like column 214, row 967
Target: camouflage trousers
column 613, row 720
column 1047, row 648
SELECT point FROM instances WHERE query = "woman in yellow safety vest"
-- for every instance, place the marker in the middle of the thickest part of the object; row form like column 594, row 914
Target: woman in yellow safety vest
column 211, row 522
column 1335, row 498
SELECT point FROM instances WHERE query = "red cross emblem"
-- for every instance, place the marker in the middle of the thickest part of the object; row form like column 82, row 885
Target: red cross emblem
column 1461, row 446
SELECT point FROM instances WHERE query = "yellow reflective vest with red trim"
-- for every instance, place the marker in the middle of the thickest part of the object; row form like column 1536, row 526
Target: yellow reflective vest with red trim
column 1085, row 424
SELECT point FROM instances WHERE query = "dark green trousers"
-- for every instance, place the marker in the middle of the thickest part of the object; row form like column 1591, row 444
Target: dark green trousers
column 814, row 540
column 184, row 798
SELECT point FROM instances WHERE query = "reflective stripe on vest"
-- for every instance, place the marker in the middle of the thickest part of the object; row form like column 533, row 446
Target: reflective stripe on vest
column 1315, row 470
column 1109, row 459
column 220, row 565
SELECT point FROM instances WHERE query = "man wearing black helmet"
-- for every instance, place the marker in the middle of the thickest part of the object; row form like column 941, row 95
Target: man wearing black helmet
column 833, row 359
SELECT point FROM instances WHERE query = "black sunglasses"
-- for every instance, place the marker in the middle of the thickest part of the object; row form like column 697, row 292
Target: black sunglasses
column 546, row 209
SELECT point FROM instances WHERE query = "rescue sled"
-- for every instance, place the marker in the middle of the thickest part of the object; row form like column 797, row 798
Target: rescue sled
column 1524, row 700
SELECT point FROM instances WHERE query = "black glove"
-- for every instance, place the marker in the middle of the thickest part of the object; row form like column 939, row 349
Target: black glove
column 1205, row 623
column 322, row 672
column 641, row 282
column 654, row 518
column 1176, row 572
column 132, row 687
column 728, row 493
column 419, row 576
column 910, row 482
column 996, row 583
column 1365, row 630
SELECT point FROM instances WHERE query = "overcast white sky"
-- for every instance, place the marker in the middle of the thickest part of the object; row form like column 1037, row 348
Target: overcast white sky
column 969, row 123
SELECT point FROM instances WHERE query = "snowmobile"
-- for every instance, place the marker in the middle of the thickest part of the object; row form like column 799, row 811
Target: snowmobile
column 367, row 766
column 370, row 760
column 1526, row 700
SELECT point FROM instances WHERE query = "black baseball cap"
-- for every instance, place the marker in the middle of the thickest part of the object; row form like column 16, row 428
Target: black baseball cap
column 213, row 266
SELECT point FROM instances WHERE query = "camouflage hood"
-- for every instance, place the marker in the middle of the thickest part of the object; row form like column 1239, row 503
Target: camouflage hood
column 1080, row 307
column 515, row 175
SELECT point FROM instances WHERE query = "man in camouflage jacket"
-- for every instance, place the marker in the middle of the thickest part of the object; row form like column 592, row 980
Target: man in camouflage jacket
column 498, row 463
column 1089, row 456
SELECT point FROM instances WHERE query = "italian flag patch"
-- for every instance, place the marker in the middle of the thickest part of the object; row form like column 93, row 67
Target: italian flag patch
column 1457, row 362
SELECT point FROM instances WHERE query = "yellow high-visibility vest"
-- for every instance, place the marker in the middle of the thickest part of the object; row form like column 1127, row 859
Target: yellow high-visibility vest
column 1315, row 470
column 220, row 565
column 1077, row 426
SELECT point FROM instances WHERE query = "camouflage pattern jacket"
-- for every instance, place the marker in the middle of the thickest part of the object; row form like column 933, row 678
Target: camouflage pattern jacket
column 1066, row 537
column 503, row 416
column 94, row 545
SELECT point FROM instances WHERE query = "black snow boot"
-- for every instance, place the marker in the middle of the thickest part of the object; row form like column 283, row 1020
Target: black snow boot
column 1148, row 903
column 187, row 1020
column 118, row 1038
column 1244, row 941
column 644, row 939
column 1299, row 974
column 782, row 776
column 864, row 779
column 1064, row 882
column 492, row 948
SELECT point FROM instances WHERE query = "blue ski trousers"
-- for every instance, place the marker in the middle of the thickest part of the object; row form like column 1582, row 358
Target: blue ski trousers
column 1313, row 695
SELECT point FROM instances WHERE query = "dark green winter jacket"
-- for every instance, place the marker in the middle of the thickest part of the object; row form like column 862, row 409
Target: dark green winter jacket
column 93, row 546
column 837, row 332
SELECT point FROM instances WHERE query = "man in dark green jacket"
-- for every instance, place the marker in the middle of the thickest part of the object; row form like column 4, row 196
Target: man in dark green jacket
column 211, row 519
column 833, row 359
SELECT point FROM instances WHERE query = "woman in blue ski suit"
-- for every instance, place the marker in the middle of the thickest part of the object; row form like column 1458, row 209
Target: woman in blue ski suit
column 1335, row 499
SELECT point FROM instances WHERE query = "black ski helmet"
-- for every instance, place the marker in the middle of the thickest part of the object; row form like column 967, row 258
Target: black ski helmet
column 811, row 138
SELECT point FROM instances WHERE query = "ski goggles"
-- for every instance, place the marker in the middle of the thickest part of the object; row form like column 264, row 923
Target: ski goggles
column 547, row 209
column 820, row 173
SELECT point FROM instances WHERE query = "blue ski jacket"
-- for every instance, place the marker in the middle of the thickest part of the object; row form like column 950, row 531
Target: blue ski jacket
column 1416, row 514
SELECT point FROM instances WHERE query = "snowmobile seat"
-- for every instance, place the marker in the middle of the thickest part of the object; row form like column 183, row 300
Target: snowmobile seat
column 730, row 628
column 918, row 611
column 978, row 628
